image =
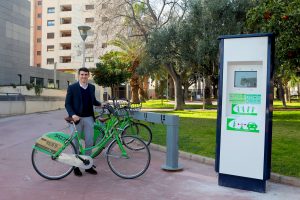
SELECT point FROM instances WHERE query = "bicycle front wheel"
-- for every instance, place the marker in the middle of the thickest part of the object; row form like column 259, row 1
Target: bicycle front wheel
column 50, row 168
column 139, row 130
column 132, row 165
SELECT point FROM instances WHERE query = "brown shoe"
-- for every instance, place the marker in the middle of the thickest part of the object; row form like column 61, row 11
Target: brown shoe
column 91, row 171
column 77, row 171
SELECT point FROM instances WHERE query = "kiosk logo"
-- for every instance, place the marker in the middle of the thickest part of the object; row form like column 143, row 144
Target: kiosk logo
column 244, row 109
column 242, row 125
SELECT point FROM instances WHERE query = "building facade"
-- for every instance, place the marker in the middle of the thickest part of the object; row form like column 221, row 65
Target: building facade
column 62, row 46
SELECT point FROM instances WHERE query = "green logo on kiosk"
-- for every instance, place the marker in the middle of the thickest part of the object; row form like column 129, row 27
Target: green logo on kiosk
column 244, row 109
column 241, row 124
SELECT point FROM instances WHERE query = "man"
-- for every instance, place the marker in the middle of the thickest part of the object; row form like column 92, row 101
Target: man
column 79, row 105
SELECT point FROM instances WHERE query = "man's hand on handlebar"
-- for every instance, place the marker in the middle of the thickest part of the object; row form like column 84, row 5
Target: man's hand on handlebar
column 75, row 118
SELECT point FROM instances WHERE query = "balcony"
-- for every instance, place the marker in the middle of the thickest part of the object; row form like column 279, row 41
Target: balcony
column 67, row 33
column 65, row 59
column 66, row 20
column 65, row 8
column 65, row 46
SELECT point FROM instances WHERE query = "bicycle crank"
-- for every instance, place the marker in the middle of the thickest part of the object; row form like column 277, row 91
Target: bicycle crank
column 81, row 161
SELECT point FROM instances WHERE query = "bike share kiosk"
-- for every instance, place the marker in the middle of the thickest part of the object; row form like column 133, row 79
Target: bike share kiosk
column 244, row 124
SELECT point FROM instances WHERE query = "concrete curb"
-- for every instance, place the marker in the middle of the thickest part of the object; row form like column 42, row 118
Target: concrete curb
column 277, row 178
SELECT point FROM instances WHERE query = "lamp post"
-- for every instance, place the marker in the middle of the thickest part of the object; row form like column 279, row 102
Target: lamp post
column 83, row 33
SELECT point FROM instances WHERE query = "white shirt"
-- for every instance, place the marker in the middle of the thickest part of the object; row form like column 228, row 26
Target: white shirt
column 84, row 86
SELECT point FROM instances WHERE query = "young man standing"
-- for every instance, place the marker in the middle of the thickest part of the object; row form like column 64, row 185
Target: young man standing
column 79, row 104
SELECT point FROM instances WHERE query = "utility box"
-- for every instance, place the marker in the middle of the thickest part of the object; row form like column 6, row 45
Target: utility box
column 244, row 123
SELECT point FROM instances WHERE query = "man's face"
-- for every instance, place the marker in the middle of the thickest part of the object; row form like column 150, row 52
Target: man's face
column 83, row 77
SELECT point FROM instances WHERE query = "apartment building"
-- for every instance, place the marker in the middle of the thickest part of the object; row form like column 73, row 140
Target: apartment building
column 56, row 41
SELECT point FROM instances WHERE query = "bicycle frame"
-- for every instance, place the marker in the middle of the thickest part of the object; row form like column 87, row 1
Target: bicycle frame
column 111, row 132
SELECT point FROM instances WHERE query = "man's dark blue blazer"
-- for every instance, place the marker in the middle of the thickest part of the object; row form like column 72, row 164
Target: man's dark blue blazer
column 73, row 103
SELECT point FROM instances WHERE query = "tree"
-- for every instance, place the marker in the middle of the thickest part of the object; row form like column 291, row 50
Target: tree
column 136, row 19
column 109, row 72
column 163, row 48
column 281, row 18
column 208, row 20
column 131, row 51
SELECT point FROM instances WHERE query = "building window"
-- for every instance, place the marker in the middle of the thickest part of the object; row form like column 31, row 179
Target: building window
column 89, row 59
column 66, row 8
column 89, row 20
column 39, row 15
column 50, row 35
column 104, row 45
column 89, row 46
column 38, row 53
column 39, row 3
column 65, row 46
column 37, row 81
column 51, row 83
column 67, row 20
column 65, row 33
column 50, row 61
column 39, row 27
column 50, row 47
column 50, row 23
column 89, row 7
column 38, row 40
column 65, row 59
column 51, row 10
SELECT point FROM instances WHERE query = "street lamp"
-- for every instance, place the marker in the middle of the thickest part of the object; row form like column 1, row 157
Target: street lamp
column 83, row 30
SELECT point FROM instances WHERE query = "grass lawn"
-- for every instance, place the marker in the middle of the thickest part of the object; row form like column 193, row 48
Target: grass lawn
column 167, row 104
column 197, row 134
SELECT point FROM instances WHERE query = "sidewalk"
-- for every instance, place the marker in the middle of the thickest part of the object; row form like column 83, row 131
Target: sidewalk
column 18, row 180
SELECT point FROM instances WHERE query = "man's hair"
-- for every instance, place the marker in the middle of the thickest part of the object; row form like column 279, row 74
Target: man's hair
column 84, row 69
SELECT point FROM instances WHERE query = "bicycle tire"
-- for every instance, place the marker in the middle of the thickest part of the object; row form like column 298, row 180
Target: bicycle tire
column 51, row 169
column 133, row 166
column 139, row 130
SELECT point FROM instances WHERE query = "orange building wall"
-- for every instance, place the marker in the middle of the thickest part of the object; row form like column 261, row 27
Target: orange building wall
column 37, row 59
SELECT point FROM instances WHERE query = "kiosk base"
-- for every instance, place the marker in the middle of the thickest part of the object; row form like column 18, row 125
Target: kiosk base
column 243, row 183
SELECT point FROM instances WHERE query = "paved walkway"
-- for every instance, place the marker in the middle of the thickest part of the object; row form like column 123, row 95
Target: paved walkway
column 18, row 180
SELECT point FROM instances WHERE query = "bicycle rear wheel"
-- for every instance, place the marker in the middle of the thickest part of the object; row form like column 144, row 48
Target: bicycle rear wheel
column 134, row 164
column 49, row 168
column 139, row 130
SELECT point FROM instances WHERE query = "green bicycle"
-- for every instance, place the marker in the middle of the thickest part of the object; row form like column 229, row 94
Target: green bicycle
column 131, row 127
column 54, row 155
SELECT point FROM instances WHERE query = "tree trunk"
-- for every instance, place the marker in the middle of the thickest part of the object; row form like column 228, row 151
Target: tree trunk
column 134, row 84
column 186, row 91
column 146, row 87
column 287, row 94
column 281, row 92
column 207, row 91
column 171, row 89
column 178, row 87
